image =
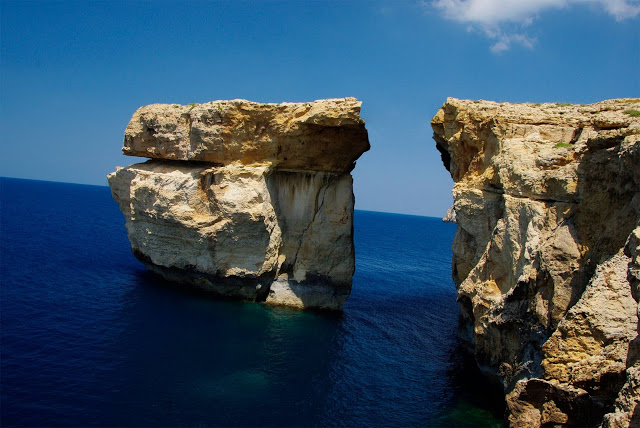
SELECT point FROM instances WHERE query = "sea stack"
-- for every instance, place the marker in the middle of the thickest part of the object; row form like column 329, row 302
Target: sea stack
column 247, row 200
column 450, row 216
column 547, row 253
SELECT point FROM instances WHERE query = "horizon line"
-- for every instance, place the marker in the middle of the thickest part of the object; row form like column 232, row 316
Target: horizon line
column 107, row 186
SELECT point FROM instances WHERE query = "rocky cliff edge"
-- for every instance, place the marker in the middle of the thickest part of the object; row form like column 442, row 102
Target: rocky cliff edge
column 547, row 200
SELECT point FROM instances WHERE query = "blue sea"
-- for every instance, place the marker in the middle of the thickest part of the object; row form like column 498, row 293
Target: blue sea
column 89, row 337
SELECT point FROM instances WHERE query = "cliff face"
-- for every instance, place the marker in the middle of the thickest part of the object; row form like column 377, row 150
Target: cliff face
column 547, row 200
column 248, row 200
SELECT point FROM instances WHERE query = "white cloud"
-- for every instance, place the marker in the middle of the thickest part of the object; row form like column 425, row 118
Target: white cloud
column 489, row 12
column 504, row 41
column 503, row 21
column 621, row 9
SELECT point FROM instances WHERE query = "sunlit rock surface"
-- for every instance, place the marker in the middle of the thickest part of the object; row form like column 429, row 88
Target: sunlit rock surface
column 247, row 200
column 450, row 216
column 324, row 135
column 547, row 201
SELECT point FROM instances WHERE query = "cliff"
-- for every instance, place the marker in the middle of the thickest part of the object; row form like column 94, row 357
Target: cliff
column 547, row 201
column 247, row 200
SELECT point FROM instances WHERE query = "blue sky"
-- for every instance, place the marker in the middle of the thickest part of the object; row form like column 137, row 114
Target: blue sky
column 73, row 73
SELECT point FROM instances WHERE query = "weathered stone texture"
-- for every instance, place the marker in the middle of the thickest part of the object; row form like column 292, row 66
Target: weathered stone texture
column 547, row 200
column 324, row 135
column 240, row 217
column 450, row 216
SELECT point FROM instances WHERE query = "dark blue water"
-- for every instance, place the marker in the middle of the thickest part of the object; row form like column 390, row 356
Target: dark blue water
column 89, row 337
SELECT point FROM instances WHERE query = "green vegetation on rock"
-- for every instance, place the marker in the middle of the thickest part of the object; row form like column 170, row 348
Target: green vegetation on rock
column 561, row 145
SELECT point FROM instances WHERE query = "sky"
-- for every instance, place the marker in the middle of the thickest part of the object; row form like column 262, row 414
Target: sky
column 73, row 73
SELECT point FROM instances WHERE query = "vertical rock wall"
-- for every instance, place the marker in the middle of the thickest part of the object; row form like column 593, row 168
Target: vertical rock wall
column 547, row 201
column 247, row 200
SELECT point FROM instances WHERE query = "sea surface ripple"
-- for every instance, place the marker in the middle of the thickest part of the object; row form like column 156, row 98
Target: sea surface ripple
column 89, row 337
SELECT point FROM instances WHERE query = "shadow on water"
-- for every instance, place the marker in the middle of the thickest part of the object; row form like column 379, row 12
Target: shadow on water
column 479, row 400
column 189, row 358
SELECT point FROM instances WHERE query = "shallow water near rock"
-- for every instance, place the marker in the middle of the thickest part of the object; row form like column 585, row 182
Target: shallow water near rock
column 90, row 337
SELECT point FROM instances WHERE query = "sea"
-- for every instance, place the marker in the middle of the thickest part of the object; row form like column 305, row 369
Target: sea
column 89, row 337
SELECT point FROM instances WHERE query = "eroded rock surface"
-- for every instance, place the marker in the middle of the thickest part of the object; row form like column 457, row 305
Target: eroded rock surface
column 450, row 216
column 324, row 135
column 547, row 201
column 256, row 203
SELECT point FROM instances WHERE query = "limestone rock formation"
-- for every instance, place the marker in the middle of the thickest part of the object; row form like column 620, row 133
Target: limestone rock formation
column 326, row 135
column 450, row 216
column 547, row 198
column 247, row 200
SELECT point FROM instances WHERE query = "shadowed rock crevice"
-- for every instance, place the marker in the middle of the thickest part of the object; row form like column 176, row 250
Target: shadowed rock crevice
column 246, row 200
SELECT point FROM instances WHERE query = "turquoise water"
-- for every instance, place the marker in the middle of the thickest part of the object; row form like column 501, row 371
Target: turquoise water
column 91, row 338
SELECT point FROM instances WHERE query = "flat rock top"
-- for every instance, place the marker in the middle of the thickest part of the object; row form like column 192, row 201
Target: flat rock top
column 603, row 114
column 530, row 150
column 323, row 135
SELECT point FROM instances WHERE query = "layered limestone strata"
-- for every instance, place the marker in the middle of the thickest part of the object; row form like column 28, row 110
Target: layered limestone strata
column 247, row 200
column 325, row 135
column 547, row 201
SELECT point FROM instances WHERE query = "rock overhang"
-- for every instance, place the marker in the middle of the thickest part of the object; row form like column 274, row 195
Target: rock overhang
column 322, row 135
